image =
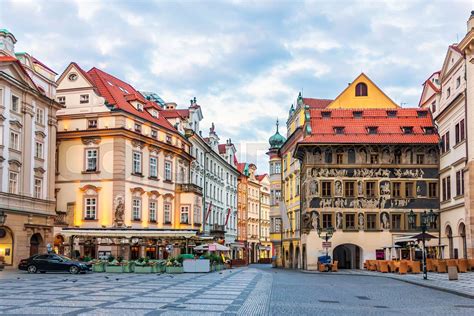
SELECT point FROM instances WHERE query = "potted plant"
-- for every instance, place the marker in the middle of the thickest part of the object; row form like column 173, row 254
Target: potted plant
column 98, row 265
column 113, row 265
column 127, row 265
column 143, row 265
column 173, row 265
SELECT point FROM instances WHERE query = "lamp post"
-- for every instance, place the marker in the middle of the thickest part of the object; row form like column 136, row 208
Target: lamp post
column 427, row 219
column 3, row 218
column 328, row 234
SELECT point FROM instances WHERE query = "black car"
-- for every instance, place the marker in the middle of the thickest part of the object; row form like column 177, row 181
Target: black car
column 52, row 263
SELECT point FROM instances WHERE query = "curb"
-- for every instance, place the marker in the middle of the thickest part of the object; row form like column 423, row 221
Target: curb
column 430, row 286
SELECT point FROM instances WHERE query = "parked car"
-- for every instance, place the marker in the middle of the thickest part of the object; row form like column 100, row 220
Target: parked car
column 52, row 263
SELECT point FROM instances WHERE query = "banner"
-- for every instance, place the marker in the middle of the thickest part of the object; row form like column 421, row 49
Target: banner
column 228, row 215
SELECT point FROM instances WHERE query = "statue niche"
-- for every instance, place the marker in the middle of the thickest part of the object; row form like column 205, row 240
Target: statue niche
column 119, row 212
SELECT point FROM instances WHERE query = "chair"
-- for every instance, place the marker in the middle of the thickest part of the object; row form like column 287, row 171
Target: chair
column 334, row 266
column 392, row 266
column 430, row 265
column 372, row 265
column 442, row 266
column 383, row 266
column 414, row 266
column 321, row 267
column 462, row 265
column 403, row 269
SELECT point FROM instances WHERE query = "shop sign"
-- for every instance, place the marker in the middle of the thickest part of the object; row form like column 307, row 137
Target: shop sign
column 326, row 244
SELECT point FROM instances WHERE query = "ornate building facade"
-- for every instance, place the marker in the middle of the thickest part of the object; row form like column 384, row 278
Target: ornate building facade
column 123, row 171
column 27, row 152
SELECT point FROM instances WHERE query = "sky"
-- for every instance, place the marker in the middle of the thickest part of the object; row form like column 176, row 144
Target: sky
column 244, row 61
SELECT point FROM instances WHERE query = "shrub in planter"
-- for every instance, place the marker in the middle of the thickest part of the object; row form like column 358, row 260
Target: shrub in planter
column 114, row 266
column 174, row 270
column 142, row 265
column 98, row 266
column 174, row 265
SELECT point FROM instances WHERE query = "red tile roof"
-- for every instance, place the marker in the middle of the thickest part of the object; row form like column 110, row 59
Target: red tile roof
column 389, row 129
column 241, row 167
column 260, row 177
column 118, row 94
column 222, row 149
column 317, row 103
column 7, row 58
column 182, row 113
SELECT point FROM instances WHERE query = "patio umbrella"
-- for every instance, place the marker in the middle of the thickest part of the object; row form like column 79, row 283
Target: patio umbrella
column 216, row 246
column 426, row 236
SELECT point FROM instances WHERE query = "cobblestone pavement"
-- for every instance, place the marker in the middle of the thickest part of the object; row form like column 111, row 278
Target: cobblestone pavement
column 257, row 290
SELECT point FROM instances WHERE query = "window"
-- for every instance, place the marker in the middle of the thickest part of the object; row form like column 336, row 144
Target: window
column 458, row 82
column 370, row 188
column 349, row 189
column 197, row 214
column 397, row 157
column 38, row 193
column 446, row 186
column 167, row 213
column 412, row 226
column 326, row 188
column 184, row 215
column 39, row 150
column 459, row 183
column 92, row 123
column 420, row 159
column 339, row 159
column 328, row 156
column 432, row 189
column 152, row 211
column 409, row 189
column 39, row 118
column 357, row 114
column 91, row 160
column 90, row 208
column 168, row 174
column 350, row 221
column 445, row 143
column 136, row 209
column 327, row 220
column 154, row 133
column 422, row 113
column 391, row 114
column 448, row 93
column 407, row 129
column 138, row 128
column 374, row 158
column 14, row 140
column 361, row 90
column 137, row 163
column 429, row 130
column 396, row 221
column 72, row 77
column 371, row 221
column 15, row 106
column 372, row 130
column 13, row 182
column 277, row 167
column 83, row 98
column 62, row 100
column 396, row 190
column 433, row 106
column 326, row 114
column 339, row 130
column 459, row 131
column 169, row 139
column 153, row 167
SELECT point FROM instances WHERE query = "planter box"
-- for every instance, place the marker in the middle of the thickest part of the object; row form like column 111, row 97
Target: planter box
column 98, row 267
column 219, row 267
column 143, row 269
column 174, row 270
column 128, row 268
column 196, row 265
column 114, row 269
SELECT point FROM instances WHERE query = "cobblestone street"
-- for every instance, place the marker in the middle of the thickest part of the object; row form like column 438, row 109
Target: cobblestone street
column 258, row 290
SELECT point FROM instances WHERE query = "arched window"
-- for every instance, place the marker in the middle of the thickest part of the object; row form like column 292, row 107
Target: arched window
column 361, row 90
column 449, row 235
column 462, row 233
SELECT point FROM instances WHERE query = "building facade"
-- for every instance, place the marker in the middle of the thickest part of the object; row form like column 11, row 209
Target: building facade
column 122, row 178
column 27, row 152
column 265, row 245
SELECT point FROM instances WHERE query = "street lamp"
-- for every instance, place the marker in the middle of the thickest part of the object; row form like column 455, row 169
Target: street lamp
column 3, row 218
column 328, row 234
column 427, row 219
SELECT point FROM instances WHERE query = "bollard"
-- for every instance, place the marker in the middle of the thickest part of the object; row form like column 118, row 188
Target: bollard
column 452, row 273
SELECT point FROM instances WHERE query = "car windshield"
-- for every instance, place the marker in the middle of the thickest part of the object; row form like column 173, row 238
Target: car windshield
column 65, row 258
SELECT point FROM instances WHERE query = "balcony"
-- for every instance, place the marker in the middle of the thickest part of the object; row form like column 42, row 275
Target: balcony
column 188, row 188
column 60, row 219
column 216, row 228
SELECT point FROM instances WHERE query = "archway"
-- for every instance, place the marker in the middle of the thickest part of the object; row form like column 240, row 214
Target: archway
column 59, row 244
column 449, row 234
column 285, row 258
column 303, row 258
column 462, row 233
column 36, row 242
column 348, row 256
column 6, row 245
column 290, row 259
column 297, row 258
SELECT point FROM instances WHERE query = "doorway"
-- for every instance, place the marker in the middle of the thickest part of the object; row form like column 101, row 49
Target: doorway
column 348, row 256
column 36, row 242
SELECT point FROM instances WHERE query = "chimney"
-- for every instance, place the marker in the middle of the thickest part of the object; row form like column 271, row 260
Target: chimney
column 470, row 22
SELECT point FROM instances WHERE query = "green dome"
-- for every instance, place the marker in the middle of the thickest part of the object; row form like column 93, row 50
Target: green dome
column 277, row 140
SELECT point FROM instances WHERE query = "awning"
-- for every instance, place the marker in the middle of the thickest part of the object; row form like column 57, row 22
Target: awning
column 237, row 245
column 128, row 233
column 216, row 246
column 426, row 236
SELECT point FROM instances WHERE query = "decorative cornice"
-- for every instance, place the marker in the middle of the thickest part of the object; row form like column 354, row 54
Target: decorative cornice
column 14, row 162
column 40, row 133
column 153, row 192
column 39, row 170
column 17, row 123
column 91, row 140
column 52, row 121
column 90, row 187
column 138, row 143
column 137, row 189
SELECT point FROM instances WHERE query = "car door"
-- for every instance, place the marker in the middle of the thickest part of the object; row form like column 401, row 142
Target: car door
column 55, row 263
column 41, row 262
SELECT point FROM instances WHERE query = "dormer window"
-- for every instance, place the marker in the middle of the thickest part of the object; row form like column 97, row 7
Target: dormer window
column 62, row 100
column 361, row 90
column 423, row 113
column 138, row 128
column 429, row 130
column 372, row 130
column 92, row 123
column 154, row 133
column 169, row 139
column 391, row 114
column 84, row 98
column 448, row 93
column 407, row 129
column 140, row 107
column 326, row 114
column 339, row 130
column 357, row 114
column 154, row 113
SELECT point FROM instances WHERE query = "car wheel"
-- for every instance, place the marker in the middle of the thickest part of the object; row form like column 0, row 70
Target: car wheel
column 74, row 270
column 32, row 269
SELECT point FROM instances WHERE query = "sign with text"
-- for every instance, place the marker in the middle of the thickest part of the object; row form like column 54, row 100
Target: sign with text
column 326, row 244
column 212, row 248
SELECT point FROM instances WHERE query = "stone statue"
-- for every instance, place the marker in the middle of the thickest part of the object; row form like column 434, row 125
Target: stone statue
column 361, row 220
column 339, row 220
column 119, row 212
column 306, row 222
column 360, row 188
column 338, row 188
column 384, row 221
column 315, row 220
column 313, row 188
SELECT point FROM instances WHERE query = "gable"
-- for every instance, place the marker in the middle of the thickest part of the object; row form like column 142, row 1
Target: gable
column 452, row 57
column 74, row 71
column 18, row 73
column 375, row 98
column 428, row 93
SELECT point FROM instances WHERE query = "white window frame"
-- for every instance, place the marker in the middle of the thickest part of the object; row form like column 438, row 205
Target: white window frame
column 39, row 150
column 89, row 158
column 167, row 209
column 39, row 117
column 184, row 214
column 90, row 207
column 136, row 209
column 38, row 190
column 137, row 162
column 13, row 182
column 154, row 167
column 152, row 210
column 14, row 140
column 83, row 98
column 17, row 108
column 62, row 100
column 168, row 170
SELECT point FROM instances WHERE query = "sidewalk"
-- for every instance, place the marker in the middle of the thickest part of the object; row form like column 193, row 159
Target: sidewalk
column 464, row 286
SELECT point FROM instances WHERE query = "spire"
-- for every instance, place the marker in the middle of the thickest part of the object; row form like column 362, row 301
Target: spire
column 277, row 125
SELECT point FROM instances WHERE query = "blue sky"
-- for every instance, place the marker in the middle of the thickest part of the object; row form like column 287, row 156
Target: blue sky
column 245, row 61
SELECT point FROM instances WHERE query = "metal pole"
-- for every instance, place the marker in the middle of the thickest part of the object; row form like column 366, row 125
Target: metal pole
column 425, row 273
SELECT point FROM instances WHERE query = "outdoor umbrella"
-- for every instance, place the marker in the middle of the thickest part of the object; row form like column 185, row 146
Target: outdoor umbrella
column 217, row 247
column 426, row 236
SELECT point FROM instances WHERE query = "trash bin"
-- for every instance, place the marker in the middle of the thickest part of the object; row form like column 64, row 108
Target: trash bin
column 452, row 273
